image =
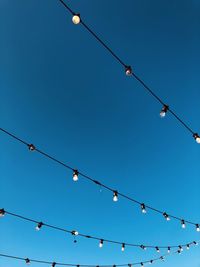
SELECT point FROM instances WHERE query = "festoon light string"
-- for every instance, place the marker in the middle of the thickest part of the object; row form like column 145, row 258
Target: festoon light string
column 116, row 193
column 77, row 19
column 28, row 261
column 101, row 240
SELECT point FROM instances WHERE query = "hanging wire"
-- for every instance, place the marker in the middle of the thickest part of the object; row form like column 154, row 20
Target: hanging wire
column 33, row 148
column 40, row 224
column 54, row 263
column 121, row 62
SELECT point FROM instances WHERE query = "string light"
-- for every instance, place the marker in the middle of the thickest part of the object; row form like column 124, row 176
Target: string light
column 2, row 212
column 75, row 233
column 166, row 216
column 179, row 252
column 151, row 262
column 142, row 264
column 168, row 249
column 31, row 147
column 101, row 243
column 196, row 137
column 115, row 196
column 195, row 243
column 28, row 262
column 162, row 258
column 39, row 226
column 163, row 111
column 183, row 224
column 147, row 88
column 157, row 249
column 76, row 19
column 53, row 264
column 75, row 175
column 128, row 70
column 123, row 246
column 188, row 246
column 86, row 177
column 197, row 228
column 143, row 208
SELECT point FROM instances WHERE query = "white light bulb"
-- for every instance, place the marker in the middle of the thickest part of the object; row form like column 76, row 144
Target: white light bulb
column 197, row 228
column 115, row 196
column 75, row 176
column 162, row 114
column 101, row 243
column 76, row 19
column 123, row 247
column 183, row 224
column 143, row 208
column 128, row 70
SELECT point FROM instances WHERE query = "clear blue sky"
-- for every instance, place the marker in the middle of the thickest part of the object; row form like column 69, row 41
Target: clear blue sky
column 62, row 91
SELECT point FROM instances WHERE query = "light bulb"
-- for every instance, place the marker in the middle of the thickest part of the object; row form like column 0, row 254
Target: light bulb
column 143, row 247
column 183, row 224
column 143, row 208
column 196, row 137
column 157, row 249
column 142, row 264
column 195, row 243
column 53, row 264
column 74, row 232
column 2, row 212
column 115, row 196
column 162, row 258
column 179, row 252
column 151, row 262
column 168, row 249
column 188, row 246
column 197, row 228
column 123, row 247
column 76, row 19
column 28, row 262
column 180, row 248
column 75, row 175
column 166, row 216
column 39, row 226
column 31, row 147
column 128, row 70
column 101, row 243
column 164, row 111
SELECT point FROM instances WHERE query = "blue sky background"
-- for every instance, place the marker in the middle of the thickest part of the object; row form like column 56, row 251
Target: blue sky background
column 63, row 92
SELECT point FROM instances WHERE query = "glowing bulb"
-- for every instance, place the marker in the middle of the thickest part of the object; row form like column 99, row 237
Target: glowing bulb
column 196, row 137
column 28, row 262
column 166, row 216
column 180, row 248
column 143, row 208
column 142, row 264
column 53, row 264
column 115, row 196
column 123, row 247
column 157, row 249
column 169, row 249
column 75, row 175
column 31, row 147
column 164, row 111
column 188, row 246
column 143, row 247
column 197, row 228
column 76, row 19
column 195, row 243
column 39, row 226
column 151, row 262
column 183, row 224
column 101, row 243
column 74, row 232
column 179, row 252
column 128, row 70
column 2, row 212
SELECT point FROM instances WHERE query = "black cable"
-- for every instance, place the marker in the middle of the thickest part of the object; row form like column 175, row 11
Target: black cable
column 29, row 260
column 90, row 236
column 124, row 65
column 95, row 181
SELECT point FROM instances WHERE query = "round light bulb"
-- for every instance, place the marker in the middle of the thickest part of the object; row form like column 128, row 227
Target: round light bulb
column 162, row 114
column 76, row 19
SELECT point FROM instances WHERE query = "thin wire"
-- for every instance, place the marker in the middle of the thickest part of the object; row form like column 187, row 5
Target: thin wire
column 124, row 65
column 90, row 236
column 87, row 265
column 95, row 181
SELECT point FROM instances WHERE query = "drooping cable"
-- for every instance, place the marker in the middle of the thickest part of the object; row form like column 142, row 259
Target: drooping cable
column 128, row 70
column 116, row 193
column 101, row 240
